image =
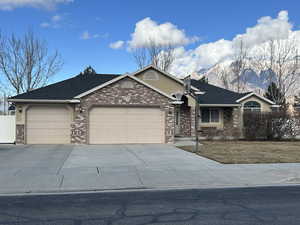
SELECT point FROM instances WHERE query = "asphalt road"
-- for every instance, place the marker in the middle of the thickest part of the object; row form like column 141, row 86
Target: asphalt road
column 253, row 206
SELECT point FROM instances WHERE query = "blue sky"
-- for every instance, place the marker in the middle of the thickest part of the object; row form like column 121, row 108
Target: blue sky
column 63, row 24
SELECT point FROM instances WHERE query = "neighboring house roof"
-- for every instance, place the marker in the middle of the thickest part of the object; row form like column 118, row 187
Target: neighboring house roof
column 11, row 108
column 216, row 95
column 67, row 89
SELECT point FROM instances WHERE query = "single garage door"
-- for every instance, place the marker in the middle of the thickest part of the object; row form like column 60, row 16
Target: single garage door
column 118, row 125
column 48, row 125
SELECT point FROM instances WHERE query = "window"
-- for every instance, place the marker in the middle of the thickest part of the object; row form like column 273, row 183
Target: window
column 210, row 115
column 252, row 106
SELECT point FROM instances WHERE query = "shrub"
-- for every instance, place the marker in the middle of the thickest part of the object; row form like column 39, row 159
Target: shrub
column 270, row 126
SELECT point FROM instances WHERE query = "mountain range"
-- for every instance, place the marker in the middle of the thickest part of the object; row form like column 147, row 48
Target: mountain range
column 257, row 82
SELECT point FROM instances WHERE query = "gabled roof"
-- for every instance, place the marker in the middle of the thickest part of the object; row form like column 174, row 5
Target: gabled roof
column 67, row 89
column 161, row 71
column 72, row 89
column 256, row 95
column 77, row 87
column 120, row 78
column 216, row 95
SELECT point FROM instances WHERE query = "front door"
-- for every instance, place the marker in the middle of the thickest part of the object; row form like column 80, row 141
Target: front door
column 177, row 121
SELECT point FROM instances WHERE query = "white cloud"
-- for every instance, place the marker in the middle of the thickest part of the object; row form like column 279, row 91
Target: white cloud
column 266, row 28
column 117, row 44
column 56, row 18
column 85, row 35
column 208, row 54
column 45, row 4
column 54, row 22
column 205, row 55
column 148, row 30
column 45, row 25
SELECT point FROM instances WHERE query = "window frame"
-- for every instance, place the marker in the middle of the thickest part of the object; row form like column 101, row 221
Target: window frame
column 210, row 117
column 252, row 108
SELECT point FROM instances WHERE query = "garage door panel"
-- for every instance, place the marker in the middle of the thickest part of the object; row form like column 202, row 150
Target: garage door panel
column 126, row 125
column 48, row 125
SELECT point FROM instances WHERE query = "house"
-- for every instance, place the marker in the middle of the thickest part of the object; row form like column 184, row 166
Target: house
column 146, row 106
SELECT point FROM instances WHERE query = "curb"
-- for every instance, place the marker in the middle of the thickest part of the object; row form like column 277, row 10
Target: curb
column 139, row 189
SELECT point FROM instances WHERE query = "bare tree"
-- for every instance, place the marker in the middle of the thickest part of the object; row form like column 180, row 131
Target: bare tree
column 26, row 63
column 141, row 57
column 232, row 77
column 279, row 61
column 225, row 76
column 239, row 66
column 158, row 55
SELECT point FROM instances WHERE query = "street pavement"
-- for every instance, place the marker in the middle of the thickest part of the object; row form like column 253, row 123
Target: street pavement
column 73, row 168
column 238, row 206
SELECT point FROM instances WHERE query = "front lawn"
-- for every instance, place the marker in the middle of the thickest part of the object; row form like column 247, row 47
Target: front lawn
column 237, row 152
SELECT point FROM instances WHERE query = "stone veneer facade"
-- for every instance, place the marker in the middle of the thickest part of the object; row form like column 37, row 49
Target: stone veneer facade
column 185, row 120
column 125, row 92
column 20, row 134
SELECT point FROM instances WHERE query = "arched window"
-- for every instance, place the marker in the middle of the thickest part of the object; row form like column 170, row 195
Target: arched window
column 252, row 106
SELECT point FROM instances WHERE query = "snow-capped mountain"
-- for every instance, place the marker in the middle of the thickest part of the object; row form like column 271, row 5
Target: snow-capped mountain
column 257, row 82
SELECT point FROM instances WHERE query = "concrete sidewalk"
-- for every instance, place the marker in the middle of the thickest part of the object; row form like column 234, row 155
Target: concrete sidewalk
column 110, row 167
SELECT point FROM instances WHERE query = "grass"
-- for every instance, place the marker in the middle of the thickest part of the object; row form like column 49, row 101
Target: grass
column 237, row 152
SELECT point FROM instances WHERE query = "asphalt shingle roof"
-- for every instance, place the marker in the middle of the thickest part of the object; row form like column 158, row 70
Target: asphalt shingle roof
column 69, row 88
column 216, row 95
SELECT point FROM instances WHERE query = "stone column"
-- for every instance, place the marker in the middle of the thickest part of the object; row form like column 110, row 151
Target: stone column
column 79, row 126
column 170, row 124
column 20, row 134
column 237, row 122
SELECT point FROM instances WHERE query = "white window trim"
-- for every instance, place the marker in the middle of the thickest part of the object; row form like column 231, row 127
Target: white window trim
column 219, row 112
column 252, row 109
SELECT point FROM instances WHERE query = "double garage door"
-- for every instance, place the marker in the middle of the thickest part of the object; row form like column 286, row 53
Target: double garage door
column 107, row 125
column 126, row 125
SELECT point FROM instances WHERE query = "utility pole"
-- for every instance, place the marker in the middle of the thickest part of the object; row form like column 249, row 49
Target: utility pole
column 197, row 110
column 194, row 94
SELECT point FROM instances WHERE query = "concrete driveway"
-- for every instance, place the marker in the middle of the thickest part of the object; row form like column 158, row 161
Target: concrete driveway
column 53, row 168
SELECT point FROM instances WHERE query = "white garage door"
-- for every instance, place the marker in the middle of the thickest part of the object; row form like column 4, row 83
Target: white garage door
column 48, row 125
column 114, row 125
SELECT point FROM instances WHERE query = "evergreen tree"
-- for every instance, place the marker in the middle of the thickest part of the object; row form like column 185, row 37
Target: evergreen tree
column 89, row 71
column 274, row 94
column 204, row 79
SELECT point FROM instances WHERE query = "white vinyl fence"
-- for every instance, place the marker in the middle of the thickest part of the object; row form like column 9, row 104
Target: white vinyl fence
column 7, row 129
